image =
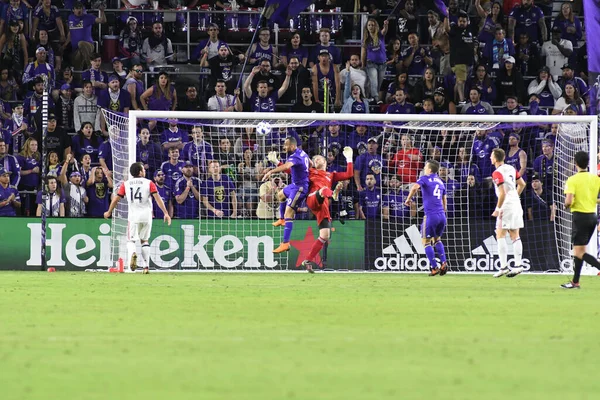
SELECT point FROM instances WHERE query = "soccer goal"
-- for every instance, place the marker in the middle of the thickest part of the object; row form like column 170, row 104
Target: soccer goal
column 227, row 223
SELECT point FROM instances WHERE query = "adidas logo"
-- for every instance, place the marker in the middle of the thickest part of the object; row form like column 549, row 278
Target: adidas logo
column 406, row 254
column 486, row 256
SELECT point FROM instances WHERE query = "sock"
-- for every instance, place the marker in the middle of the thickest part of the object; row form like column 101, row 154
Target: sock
column 316, row 248
column 590, row 259
column 439, row 247
column 518, row 249
column 130, row 251
column 287, row 230
column 430, row 256
column 146, row 255
column 503, row 252
column 577, row 269
column 281, row 210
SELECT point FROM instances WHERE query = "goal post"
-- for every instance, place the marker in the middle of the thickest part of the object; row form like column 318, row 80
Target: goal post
column 391, row 240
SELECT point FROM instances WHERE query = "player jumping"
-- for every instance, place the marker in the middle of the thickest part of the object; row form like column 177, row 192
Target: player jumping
column 435, row 203
column 293, row 194
column 139, row 192
column 318, row 200
column 509, row 213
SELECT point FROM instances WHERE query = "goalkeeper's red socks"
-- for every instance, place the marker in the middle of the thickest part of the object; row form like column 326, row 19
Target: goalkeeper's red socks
column 316, row 248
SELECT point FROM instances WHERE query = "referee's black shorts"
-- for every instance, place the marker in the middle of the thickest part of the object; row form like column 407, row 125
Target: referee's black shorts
column 584, row 226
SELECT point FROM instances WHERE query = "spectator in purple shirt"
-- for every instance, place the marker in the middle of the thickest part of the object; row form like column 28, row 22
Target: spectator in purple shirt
column 98, row 186
column 218, row 193
column 80, row 34
column 484, row 83
column 527, row 18
column 86, row 142
column 29, row 159
column 400, row 106
column 262, row 101
column 415, row 58
column 294, row 48
column 373, row 55
column 569, row 24
column 10, row 200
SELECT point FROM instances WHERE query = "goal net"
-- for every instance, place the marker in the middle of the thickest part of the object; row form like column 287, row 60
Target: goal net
column 209, row 168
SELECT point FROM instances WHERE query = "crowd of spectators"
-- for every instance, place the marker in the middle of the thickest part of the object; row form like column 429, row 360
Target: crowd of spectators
column 483, row 57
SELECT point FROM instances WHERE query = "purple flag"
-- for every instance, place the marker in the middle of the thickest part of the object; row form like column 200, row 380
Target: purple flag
column 592, row 30
column 442, row 7
column 281, row 11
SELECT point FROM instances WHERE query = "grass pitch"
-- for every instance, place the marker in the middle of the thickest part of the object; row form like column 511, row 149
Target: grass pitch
column 296, row 336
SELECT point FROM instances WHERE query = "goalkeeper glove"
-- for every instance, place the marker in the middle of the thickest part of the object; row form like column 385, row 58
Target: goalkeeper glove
column 272, row 156
column 348, row 153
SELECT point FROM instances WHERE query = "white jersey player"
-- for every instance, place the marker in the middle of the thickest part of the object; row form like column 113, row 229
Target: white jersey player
column 139, row 192
column 509, row 213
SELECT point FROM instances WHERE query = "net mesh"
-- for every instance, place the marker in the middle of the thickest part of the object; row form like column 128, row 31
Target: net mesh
column 394, row 151
column 571, row 139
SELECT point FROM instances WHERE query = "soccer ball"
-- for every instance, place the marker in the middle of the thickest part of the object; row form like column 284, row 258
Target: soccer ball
column 263, row 128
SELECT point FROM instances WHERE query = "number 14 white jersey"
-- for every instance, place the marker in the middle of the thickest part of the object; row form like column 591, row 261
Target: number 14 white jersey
column 507, row 175
column 138, row 192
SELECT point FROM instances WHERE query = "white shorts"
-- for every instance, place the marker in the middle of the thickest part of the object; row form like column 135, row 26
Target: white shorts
column 510, row 218
column 139, row 231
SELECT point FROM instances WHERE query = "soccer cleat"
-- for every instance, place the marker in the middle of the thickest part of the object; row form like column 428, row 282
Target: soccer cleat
column 133, row 262
column 501, row 272
column 279, row 222
column 282, row 247
column 434, row 272
column 570, row 285
column 337, row 190
column 514, row 272
column 146, row 270
column 444, row 268
column 309, row 266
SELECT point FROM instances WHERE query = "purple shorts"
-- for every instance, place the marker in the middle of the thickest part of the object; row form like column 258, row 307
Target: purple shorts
column 433, row 225
column 294, row 195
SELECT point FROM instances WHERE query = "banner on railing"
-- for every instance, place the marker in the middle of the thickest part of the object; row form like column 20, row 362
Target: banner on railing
column 79, row 244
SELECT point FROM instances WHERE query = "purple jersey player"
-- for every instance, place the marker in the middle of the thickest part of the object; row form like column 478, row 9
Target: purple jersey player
column 433, row 191
column 293, row 194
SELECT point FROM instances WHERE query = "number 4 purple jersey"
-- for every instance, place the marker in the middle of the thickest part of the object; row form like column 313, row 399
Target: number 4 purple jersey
column 432, row 189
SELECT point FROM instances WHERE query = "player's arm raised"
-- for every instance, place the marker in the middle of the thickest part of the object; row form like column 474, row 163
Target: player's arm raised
column 281, row 168
column 342, row 176
column 413, row 190
column 161, row 205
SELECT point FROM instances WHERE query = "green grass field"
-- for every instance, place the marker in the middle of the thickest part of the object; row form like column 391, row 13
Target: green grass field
column 296, row 336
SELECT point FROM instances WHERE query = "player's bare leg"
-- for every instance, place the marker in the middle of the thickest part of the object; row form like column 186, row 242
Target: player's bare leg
column 518, row 250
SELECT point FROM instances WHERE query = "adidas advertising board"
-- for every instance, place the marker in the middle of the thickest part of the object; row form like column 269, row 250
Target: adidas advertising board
column 402, row 248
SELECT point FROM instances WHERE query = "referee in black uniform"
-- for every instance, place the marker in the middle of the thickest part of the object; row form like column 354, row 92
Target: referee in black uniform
column 582, row 191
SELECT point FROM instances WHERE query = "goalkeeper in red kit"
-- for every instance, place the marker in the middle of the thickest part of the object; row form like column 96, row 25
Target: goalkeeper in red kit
column 320, row 182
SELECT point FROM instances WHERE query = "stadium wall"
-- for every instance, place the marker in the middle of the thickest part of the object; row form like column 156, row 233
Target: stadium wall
column 79, row 244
